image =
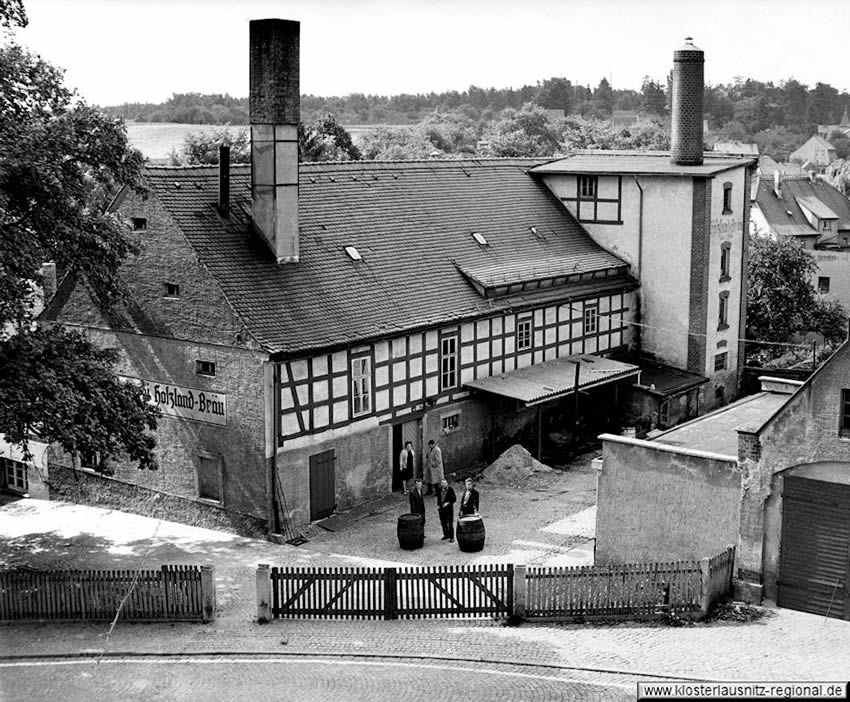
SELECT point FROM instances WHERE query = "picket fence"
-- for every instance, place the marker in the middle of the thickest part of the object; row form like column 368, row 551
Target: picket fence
column 172, row 593
column 636, row 591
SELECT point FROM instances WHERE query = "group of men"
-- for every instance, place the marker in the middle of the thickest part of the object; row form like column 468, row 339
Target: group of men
column 437, row 484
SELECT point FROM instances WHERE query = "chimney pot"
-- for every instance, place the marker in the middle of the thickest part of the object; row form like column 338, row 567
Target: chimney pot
column 224, row 180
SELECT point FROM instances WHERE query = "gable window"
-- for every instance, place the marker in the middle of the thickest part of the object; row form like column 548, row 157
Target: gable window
column 591, row 318
column 139, row 224
column 588, row 186
column 823, row 285
column 205, row 368
column 361, row 385
column 720, row 361
column 524, row 334
column 725, row 256
column 723, row 311
column 171, row 290
column 844, row 427
column 727, row 198
column 826, row 225
column 448, row 362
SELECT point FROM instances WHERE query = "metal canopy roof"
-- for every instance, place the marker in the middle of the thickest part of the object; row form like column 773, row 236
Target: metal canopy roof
column 549, row 381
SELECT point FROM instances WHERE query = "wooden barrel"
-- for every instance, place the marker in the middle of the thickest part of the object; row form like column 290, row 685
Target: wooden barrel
column 470, row 533
column 411, row 531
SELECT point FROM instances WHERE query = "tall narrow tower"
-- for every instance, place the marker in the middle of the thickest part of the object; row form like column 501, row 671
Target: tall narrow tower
column 687, row 105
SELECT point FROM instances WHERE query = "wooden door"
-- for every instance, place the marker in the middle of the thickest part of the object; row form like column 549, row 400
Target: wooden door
column 322, row 484
column 814, row 559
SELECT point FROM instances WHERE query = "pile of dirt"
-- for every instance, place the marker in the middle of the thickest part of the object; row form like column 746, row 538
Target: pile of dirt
column 513, row 466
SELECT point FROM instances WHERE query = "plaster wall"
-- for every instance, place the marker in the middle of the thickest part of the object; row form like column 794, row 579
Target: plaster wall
column 834, row 265
column 656, row 504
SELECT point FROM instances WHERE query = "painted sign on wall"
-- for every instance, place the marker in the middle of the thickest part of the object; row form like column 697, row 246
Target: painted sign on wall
column 186, row 403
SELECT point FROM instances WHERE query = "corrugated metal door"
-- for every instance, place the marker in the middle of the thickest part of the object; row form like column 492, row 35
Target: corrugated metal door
column 814, row 561
column 322, row 485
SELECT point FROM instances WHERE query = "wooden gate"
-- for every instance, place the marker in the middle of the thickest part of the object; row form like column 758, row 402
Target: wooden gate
column 814, row 560
column 322, row 485
column 390, row 593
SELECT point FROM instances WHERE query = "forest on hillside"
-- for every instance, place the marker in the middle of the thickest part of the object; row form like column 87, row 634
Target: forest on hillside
column 746, row 110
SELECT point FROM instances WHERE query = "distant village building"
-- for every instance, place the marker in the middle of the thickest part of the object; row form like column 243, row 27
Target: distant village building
column 815, row 155
column 736, row 148
column 817, row 216
column 297, row 323
column 843, row 127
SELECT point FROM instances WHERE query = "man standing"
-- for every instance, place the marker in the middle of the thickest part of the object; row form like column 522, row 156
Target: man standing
column 406, row 462
column 445, row 509
column 469, row 499
column 433, row 466
column 417, row 501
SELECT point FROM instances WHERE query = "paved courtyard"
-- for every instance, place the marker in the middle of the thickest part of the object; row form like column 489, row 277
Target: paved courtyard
column 546, row 519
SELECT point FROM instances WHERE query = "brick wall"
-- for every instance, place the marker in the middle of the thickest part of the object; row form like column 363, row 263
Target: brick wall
column 700, row 257
column 88, row 488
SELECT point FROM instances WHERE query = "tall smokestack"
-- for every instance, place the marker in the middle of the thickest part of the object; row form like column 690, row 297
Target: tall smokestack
column 224, row 180
column 686, row 127
column 275, row 110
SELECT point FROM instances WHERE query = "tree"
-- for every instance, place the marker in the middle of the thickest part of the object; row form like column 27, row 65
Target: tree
column 202, row 147
column 780, row 296
column 838, row 175
column 61, row 162
column 604, row 95
column 653, row 99
column 525, row 132
column 326, row 140
column 556, row 94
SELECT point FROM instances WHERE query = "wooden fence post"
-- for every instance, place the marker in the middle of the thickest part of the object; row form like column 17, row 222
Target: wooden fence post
column 264, row 594
column 520, row 592
column 390, row 599
column 208, row 592
column 705, row 586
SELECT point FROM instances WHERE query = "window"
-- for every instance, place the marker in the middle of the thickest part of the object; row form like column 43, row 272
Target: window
column 139, row 224
column 727, row 198
column 588, row 186
column 844, row 428
column 361, row 385
column 720, row 361
column 15, row 473
column 171, row 289
column 725, row 256
column 209, row 477
column 451, row 422
column 826, row 225
column 353, row 253
column 205, row 368
column 591, row 319
column 448, row 362
column 524, row 334
column 823, row 285
column 723, row 311
column 479, row 239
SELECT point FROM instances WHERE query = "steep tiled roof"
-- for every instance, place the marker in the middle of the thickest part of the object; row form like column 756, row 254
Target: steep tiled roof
column 784, row 214
column 412, row 223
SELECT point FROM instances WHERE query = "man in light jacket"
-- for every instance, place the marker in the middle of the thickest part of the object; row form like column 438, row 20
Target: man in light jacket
column 433, row 467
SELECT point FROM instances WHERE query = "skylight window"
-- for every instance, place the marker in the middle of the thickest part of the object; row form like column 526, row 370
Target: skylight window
column 353, row 253
column 479, row 238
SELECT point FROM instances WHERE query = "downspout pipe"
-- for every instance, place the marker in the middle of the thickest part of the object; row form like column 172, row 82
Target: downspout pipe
column 639, row 260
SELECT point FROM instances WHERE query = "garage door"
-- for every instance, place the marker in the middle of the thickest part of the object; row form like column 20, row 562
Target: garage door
column 814, row 560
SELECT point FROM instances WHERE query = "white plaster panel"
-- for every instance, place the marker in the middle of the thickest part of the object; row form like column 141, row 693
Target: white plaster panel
column 482, row 328
column 431, row 386
column 382, row 352
column 382, row 375
column 430, row 363
column 320, row 365
column 399, row 347
column 466, row 374
column 320, row 390
column 466, row 354
column 467, row 332
column 431, row 340
column 320, row 417
column 340, row 361
column 299, row 369
column 415, row 343
column 415, row 367
column 340, row 387
column 496, row 326
column 399, row 395
column 482, row 351
column 382, row 400
column 341, row 410
column 399, row 371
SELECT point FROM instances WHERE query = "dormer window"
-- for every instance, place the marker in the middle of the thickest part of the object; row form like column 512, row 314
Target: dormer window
column 588, row 186
column 171, row 290
column 479, row 239
column 205, row 368
column 139, row 224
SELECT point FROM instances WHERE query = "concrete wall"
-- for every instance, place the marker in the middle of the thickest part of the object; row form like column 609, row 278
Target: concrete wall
column 804, row 437
column 658, row 503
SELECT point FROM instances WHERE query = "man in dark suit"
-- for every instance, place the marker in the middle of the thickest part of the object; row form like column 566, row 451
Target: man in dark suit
column 417, row 500
column 469, row 499
column 445, row 508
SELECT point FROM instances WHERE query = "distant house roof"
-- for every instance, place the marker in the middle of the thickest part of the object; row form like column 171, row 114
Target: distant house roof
column 738, row 148
column 638, row 163
column 784, row 215
column 814, row 143
column 768, row 166
column 412, row 224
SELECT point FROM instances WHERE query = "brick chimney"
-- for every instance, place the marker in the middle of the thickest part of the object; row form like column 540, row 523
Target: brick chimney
column 275, row 110
column 686, row 127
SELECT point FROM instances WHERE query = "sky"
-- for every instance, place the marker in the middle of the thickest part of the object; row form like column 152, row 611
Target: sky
column 117, row 51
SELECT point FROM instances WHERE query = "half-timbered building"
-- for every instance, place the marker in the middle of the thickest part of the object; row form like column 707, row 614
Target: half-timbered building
column 297, row 323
